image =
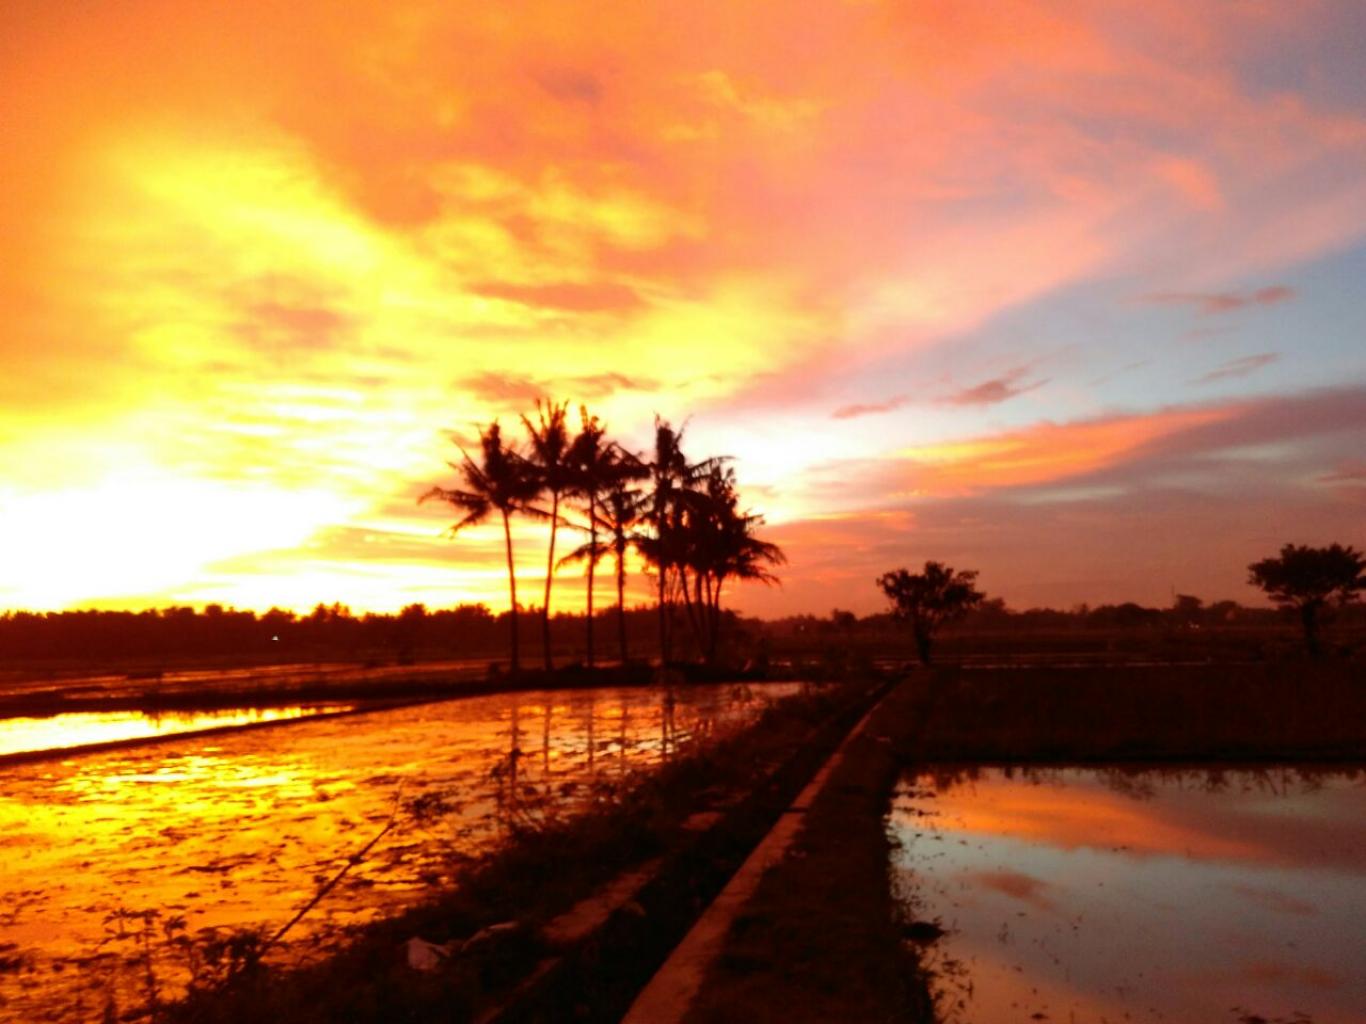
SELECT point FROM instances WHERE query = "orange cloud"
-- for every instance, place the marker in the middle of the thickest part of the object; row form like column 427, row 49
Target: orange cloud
column 261, row 249
column 1045, row 453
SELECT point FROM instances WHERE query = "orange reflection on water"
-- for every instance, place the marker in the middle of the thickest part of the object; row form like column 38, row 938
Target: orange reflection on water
column 1174, row 895
column 1061, row 818
column 240, row 828
column 58, row 732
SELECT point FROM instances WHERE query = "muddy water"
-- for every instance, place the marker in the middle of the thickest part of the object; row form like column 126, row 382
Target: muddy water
column 1162, row 895
column 240, row 828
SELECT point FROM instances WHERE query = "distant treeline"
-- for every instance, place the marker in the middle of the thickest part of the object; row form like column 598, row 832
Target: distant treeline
column 1185, row 612
column 474, row 631
column 327, row 632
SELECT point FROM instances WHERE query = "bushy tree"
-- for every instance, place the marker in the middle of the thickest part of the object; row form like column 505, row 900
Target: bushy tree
column 1309, row 580
column 928, row 599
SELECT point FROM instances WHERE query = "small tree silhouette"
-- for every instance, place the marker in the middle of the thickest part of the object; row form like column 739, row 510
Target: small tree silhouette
column 929, row 599
column 1309, row 580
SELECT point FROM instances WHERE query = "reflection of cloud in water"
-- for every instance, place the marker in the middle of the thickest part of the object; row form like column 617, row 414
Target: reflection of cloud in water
column 1273, row 899
column 1173, row 896
column 1013, row 884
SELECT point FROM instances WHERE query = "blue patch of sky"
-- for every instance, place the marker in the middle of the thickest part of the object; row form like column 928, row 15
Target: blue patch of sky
column 1102, row 348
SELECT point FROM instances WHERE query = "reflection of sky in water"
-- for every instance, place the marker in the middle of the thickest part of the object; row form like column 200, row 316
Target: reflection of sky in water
column 240, row 828
column 1176, row 895
column 56, row 732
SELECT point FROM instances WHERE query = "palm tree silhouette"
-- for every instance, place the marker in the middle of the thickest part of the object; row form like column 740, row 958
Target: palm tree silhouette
column 715, row 542
column 614, row 507
column 592, row 463
column 671, row 477
column 554, row 473
column 500, row 481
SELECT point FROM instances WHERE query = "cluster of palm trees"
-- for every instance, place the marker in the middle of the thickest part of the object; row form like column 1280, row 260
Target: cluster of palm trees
column 682, row 517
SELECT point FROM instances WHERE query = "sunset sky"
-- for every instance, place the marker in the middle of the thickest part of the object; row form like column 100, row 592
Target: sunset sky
column 1070, row 293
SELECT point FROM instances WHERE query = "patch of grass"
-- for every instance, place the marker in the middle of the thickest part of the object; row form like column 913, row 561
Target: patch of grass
column 1281, row 711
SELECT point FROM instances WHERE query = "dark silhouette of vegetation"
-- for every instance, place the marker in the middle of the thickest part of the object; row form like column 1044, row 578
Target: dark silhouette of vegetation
column 621, row 515
column 670, row 473
column 603, row 475
column 714, row 541
column 500, row 482
column 552, row 471
column 1310, row 580
column 687, row 524
column 928, row 599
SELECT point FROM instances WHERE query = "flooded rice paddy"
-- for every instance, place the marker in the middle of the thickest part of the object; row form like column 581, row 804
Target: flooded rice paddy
column 78, row 729
column 1090, row 894
column 241, row 828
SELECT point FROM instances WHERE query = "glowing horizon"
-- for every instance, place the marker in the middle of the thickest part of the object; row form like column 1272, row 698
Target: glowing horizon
column 1069, row 298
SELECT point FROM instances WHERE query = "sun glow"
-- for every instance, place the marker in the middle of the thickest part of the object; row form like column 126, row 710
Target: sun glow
column 138, row 533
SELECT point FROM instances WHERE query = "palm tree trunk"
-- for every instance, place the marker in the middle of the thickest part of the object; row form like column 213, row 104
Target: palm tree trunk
column 512, row 590
column 689, row 606
column 621, row 597
column 714, row 609
column 549, row 578
column 592, row 565
column 663, row 612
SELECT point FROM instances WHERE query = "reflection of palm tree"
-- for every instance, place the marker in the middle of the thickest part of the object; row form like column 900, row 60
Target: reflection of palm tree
column 550, row 451
column 499, row 481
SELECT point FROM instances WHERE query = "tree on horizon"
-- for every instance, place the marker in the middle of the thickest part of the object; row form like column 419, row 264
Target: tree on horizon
column 929, row 599
column 500, row 481
column 670, row 474
column 715, row 542
column 1309, row 580
column 553, row 471
column 593, row 464
column 621, row 513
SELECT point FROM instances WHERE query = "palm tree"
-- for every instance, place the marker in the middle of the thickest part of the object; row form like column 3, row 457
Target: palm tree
column 715, row 542
column 622, row 509
column 500, row 481
column 554, row 473
column 670, row 475
column 592, row 462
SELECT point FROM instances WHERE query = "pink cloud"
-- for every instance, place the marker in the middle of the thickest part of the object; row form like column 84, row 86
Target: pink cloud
column 995, row 391
column 1225, row 302
column 849, row 412
column 1235, row 368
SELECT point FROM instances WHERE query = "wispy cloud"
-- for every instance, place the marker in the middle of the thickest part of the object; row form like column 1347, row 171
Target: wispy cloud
column 1224, row 302
column 996, row 390
column 849, row 412
column 1238, row 368
column 511, row 389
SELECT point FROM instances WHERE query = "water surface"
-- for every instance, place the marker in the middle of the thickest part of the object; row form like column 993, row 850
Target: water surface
column 1087, row 894
column 240, row 828
column 77, row 729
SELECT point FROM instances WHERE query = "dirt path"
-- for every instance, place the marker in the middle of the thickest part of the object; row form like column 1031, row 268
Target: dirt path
column 807, row 932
